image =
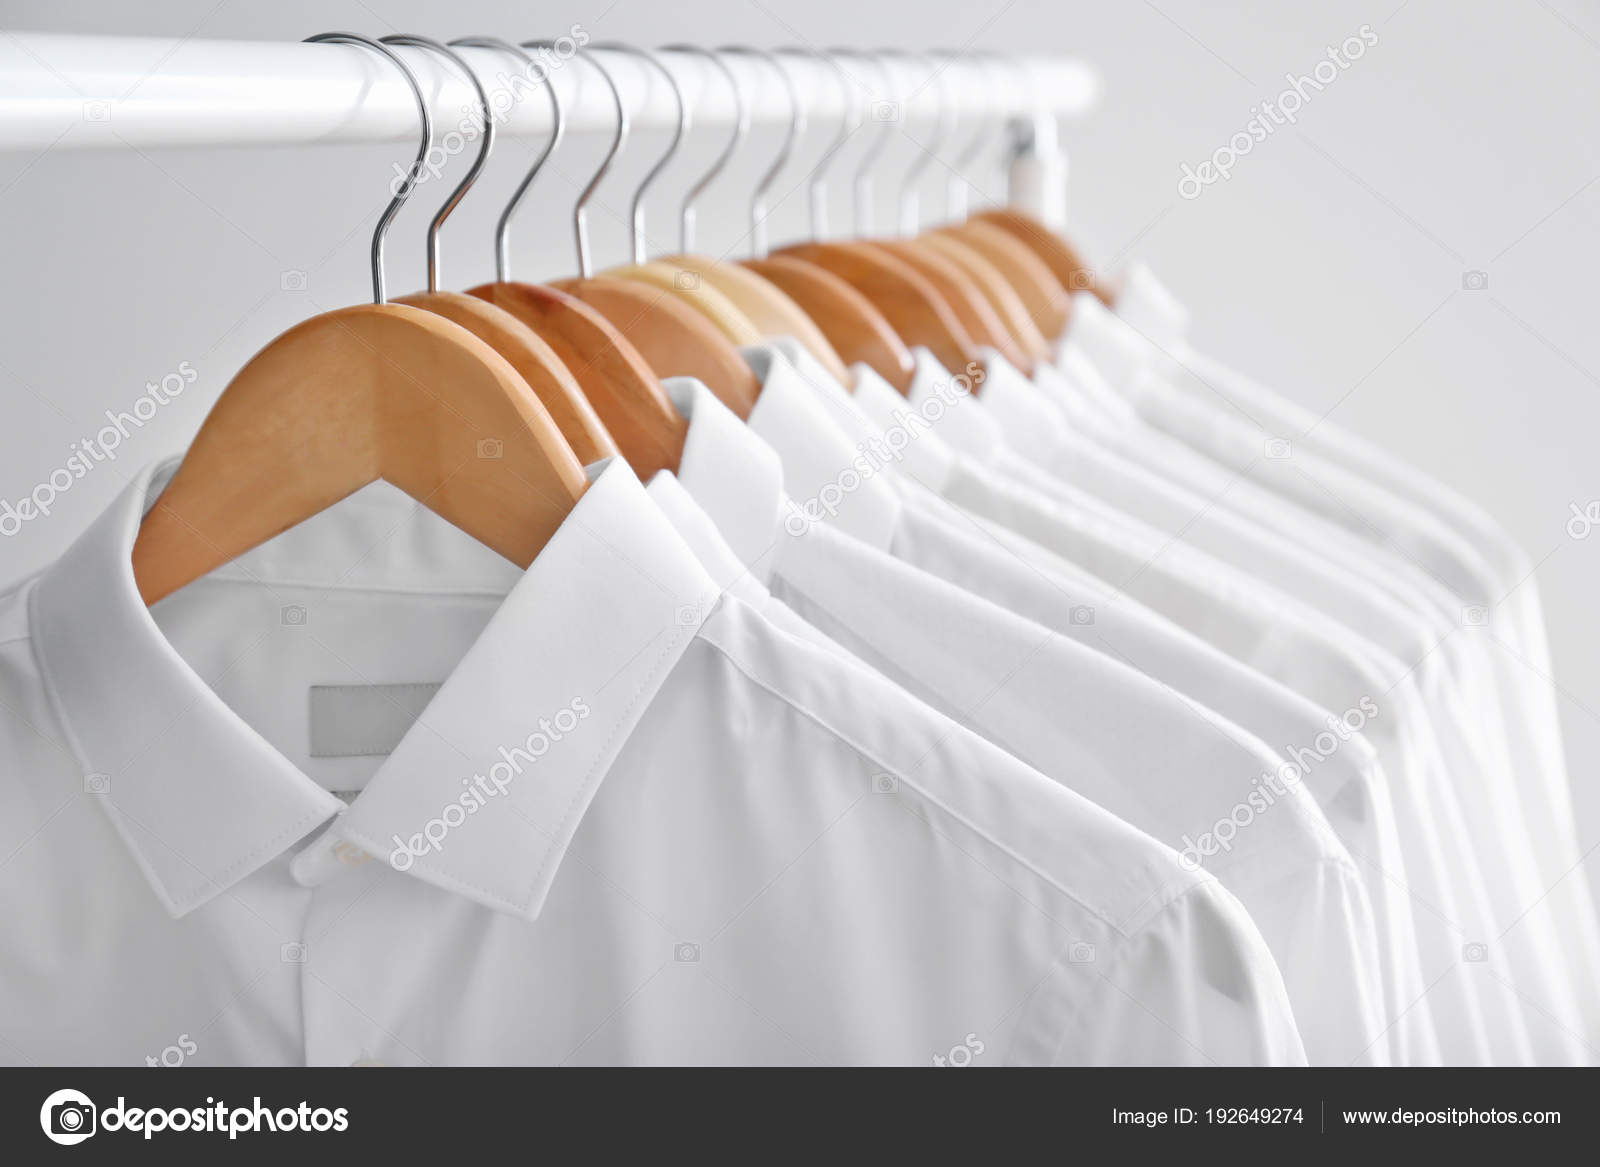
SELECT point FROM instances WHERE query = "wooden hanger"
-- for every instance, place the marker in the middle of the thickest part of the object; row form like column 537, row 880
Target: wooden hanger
column 727, row 311
column 614, row 377
column 907, row 300
column 699, row 294
column 957, row 288
column 345, row 398
column 856, row 329
column 674, row 338
column 1045, row 296
column 769, row 305
column 1048, row 302
column 906, row 297
column 965, row 297
column 1063, row 260
column 534, row 360
column 745, row 307
column 997, row 289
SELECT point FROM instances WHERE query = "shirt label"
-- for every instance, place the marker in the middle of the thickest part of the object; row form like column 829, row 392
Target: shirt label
column 350, row 721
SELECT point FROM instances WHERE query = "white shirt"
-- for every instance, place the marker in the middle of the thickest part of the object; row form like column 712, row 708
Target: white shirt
column 1131, row 745
column 1518, row 648
column 1164, row 571
column 1306, row 650
column 692, row 838
column 1027, row 579
column 1528, row 823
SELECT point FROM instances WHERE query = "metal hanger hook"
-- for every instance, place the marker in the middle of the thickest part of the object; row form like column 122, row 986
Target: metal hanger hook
column 580, row 213
column 958, row 192
column 797, row 121
column 926, row 154
column 408, row 182
column 850, row 120
column 680, row 128
column 502, row 230
column 885, row 113
column 741, row 128
column 421, row 42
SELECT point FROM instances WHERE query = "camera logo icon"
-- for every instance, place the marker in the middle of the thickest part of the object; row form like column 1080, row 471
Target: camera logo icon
column 686, row 953
column 885, row 111
column 1081, row 953
column 885, row 784
column 1474, row 281
column 686, row 281
column 292, row 616
column 1584, row 519
column 97, row 111
column 68, row 1117
column 1081, row 614
column 293, row 952
column 1475, row 616
column 1475, row 952
column 292, row 281
column 688, row 615
column 1277, row 449
column 491, row 448
column 97, row 783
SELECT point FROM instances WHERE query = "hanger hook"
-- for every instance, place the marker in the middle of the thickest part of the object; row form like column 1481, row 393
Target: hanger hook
column 797, row 122
column 502, row 229
column 960, row 186
column 874, row 154
column 408, row 184
column 741, row 127
column 816, row 191
column 681, row 127
column 580, row 216
column 909, row 205
column 421, row 42
column 997, row 62
column 850, row 120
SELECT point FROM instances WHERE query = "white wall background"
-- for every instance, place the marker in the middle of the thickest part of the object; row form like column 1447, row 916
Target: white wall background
column 1330, row 263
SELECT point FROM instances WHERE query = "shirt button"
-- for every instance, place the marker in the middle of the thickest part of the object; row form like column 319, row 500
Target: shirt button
column 324, row 858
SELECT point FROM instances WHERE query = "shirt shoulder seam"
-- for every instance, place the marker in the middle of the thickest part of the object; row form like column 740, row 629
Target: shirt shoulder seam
column 1169, row 895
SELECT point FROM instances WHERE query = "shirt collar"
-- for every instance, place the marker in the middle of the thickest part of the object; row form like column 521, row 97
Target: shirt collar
column 906, row 434
column 701, row 534
column 1107, row 342
column 829, row 473
column 947, row 400
column 1150, row 308
column 1030, row 422
column 733, row 475
column 202, row 800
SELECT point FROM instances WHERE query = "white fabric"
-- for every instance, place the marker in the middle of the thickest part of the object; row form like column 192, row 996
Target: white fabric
column 1519, row 645
column 1005, row 676
column 1023, row 577
column 729, row 846
column 1507, row 742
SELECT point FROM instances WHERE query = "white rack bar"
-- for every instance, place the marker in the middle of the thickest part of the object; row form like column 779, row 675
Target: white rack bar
column 92, row 92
